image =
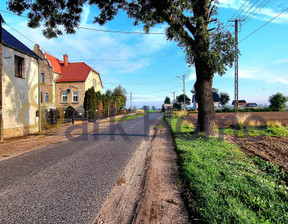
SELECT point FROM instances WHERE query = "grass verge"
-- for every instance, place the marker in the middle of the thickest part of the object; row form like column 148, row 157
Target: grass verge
column 127, row 118
column 223, row 185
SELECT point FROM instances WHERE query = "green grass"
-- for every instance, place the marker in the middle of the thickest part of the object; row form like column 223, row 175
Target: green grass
column 127, row 118
column 254, row 131
column 223, row 185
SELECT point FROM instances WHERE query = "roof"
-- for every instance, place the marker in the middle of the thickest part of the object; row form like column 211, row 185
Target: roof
column 54, row 62
column 73, row 72
column 10, row 41
column 239, row 101
column 216, row 97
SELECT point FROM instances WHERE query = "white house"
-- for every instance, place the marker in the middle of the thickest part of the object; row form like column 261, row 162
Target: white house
column 19, row 87
column 216, row 99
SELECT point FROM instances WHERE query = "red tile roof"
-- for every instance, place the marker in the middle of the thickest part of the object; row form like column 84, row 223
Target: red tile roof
column 73, row 72
column 55, row 63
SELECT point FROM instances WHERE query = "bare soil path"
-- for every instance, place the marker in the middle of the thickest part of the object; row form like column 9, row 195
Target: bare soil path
column 148, row 191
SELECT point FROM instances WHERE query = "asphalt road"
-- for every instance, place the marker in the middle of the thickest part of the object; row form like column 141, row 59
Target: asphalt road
column 68, row 182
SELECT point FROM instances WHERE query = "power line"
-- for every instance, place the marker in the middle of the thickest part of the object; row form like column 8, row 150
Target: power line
column 129, row 59
column 97, row 30
column 263, row 25
column 117, row 31
column 254, row 12
column 240, row 18
column 142, row 84
column 159, row 91
column 236, row 12
column 239, row 14
column 23, row 35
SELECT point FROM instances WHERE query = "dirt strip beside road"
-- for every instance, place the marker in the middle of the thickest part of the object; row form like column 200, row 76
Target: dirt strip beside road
column 148, row 191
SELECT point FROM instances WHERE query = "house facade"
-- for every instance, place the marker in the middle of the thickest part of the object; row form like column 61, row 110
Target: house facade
column 72, row 80
column 216, row 99
column 19, row 88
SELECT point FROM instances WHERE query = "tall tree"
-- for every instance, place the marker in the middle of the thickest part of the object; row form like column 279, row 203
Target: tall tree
column 90, row 102
column 188, row 23
column 278, row 101
column 167, row 100
column 180, row 99
column 224, row 98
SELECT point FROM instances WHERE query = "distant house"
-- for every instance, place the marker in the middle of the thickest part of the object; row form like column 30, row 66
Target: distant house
column 19, row 87
column 216, row 99
column 251, row 105
column 71, row 80
column 241, row 103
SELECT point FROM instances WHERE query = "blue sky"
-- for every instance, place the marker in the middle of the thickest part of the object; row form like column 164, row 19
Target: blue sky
column 130, row 59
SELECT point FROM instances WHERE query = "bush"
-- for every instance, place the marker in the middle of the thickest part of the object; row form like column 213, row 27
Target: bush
column 69, row 111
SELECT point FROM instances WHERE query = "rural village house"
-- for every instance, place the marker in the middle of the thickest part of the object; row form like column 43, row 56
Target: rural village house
column 216, row 99
column 68, row 82
column 19, row 87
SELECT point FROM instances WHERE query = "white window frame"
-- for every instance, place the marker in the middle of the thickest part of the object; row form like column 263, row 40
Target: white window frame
column 75, row 97
column 64, row 95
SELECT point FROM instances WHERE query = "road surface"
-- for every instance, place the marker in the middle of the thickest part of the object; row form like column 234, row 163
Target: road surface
column 68, row 182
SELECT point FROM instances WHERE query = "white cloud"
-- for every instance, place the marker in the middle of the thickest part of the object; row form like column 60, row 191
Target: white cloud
column 268, row 72
column 268, row 11
column 85, row 14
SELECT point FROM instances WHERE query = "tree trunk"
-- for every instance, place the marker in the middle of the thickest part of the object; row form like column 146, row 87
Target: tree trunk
column 206, row 112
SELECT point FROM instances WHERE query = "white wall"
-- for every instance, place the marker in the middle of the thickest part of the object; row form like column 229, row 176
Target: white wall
column 19, row 102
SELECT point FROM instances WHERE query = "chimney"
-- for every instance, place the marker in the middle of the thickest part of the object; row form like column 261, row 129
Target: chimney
column 65, row 59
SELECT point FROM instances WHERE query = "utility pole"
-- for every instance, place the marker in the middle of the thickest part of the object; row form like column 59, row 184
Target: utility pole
column 183, row 79
column 173, row 96
column 130, row 102
column 236, row 88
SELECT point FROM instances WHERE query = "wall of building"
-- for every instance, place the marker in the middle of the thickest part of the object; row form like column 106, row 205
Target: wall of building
column 73, row 86
column 89, row 81
column 20, row 95
column 49, row 83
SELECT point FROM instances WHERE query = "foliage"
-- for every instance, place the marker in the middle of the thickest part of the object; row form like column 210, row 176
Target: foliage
column 180, row 99
column 278, row 101
column 90, row 101
column 153, row 108
column 69, row 111
column 167, row 100
column 223, row 185
column 224, row 98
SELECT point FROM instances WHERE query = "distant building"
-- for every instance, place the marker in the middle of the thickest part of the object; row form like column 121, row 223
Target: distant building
column 216, row 99
column 241, row 103
column 251, row 105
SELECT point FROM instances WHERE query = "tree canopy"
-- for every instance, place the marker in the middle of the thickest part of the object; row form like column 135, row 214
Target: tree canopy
column 224, row 98
column 180, row 99
column 167, row 100
column 278, row 101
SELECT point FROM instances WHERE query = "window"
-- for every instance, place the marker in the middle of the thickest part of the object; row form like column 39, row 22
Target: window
column 43, row 77
column 46, row 97
column 75, row 97
column 64, row 97
column 19, row 67
column 94, row 83
column 41, row 97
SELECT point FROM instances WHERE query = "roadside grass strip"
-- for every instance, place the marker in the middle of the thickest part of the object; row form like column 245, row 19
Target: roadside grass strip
column 127, row 118
column 223, row 185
